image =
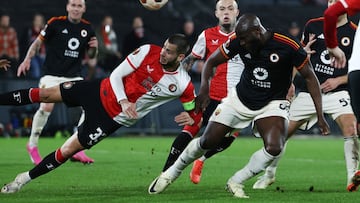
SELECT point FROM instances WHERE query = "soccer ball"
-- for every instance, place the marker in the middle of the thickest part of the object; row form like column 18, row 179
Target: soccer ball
column 153, row 4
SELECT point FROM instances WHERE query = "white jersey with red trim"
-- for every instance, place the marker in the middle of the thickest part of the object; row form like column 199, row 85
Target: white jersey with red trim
column 142, row 80
column 228, row 74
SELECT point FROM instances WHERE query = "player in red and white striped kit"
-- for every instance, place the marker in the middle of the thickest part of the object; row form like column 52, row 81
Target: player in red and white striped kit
column 331, row 15
column 147, row 78
column 227, row 75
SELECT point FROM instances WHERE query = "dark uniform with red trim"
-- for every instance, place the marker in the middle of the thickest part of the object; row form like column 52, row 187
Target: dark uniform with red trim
column 267, row 76
column 66, row 44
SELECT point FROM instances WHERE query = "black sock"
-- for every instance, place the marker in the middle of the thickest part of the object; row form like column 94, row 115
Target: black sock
column 48, row 164
column 225, row 143
column 16, row 98
column 179, row 144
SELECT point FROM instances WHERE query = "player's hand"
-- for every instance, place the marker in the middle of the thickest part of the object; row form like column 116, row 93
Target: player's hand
column 329, row 85
column 24, row 67
column 184, row 119
column 201, row 102
column 308, row 45
column 5, row 64
column 129, row 109
column 323, row 126
column 291, row 92
column 337, row 57
column 93, row 43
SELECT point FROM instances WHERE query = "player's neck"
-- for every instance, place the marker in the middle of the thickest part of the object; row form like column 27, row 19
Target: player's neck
column 75, row 21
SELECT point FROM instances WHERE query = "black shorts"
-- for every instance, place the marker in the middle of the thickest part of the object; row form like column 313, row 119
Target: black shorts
column 97, row 124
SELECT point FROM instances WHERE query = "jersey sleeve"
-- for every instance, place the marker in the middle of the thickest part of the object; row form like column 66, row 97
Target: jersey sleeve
column 199, row 48
column 48, row 30
column 230, row 48
column 129, row 65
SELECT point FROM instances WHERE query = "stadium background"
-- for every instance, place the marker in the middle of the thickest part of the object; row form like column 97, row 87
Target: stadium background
column 275, row 14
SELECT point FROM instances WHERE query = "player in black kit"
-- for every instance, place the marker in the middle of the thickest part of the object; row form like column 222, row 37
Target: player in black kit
column 259, row 97
column 66, row 39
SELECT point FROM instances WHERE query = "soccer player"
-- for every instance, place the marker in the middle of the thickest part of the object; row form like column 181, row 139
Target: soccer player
column 331, row 15
column 259, row 97
column 146, row 79
column 4, row 63
column 66, row 39
column 227, row 76
column 335, row 95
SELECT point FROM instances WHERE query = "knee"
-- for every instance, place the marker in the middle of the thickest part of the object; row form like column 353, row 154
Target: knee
column 273, row 149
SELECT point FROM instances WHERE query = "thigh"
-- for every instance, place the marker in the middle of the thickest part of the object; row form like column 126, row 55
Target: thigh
column 273, row 130
column 213, row 135
column 209, row 110
column 354, row 89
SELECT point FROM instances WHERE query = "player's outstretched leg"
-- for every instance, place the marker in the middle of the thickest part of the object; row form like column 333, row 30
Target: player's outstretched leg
column 355, row 182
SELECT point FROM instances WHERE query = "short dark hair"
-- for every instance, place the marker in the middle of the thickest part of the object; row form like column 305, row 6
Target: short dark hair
column 181, row 42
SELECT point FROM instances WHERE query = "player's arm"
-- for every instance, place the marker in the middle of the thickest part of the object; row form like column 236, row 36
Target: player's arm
column 313, row 86
column 210, row 65
column 5, row 64
column 33, row 49
column 332, row 83
column 93, row 47
column 189, row 61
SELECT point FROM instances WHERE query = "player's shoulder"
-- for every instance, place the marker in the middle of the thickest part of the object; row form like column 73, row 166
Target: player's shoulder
column 57, row 19
column 286, row 40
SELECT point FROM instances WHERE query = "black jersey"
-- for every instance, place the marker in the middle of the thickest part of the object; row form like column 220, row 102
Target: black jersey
column 321, row 59
column 267, row 76
column 66, row 44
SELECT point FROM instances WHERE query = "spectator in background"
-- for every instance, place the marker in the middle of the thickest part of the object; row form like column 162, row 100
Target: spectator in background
column 188, row 29
column 30, row 34
column 294, row 30
column 135, row 38
column 109, row 55
column 9, row 48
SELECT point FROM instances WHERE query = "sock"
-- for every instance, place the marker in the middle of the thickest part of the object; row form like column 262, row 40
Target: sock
column 20, row 97
column 351, row 152
column 50, row 162
column 270, row 171
column 257, row 163
column 225, row 143
column 39, row 120
column 191, row 153
column 178, row 146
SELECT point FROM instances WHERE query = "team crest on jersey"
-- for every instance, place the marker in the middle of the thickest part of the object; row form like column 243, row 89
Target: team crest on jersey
column 345, row 41
column 274, row 57
column 217, row 111
column 68, row 85
column 84, row 33
column 172, row 87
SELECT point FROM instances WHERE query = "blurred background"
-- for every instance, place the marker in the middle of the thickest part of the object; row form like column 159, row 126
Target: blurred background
column 126, row 17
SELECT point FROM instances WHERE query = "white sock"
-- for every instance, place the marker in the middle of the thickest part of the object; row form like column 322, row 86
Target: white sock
column 351, row 152
column 257, row 163
column 270, row 171
column 39, row 120
column 190, row 154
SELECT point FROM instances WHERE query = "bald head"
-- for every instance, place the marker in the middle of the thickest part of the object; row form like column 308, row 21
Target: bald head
column 248, row 23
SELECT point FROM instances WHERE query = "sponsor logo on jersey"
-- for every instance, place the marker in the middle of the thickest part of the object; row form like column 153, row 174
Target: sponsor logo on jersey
column 215, row 41
column 83, row 33
column 172, row 87
column 149, row 69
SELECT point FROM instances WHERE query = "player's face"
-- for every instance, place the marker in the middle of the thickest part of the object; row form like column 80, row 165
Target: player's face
column 227, row 12
column 169, row 58
column 75, row 9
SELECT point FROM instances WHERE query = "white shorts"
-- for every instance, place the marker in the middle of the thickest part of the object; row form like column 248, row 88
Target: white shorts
column 50, row 81
column 334, row 104
column 233, row 113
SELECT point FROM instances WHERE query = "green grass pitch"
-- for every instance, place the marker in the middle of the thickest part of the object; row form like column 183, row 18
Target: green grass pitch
column 125, row 166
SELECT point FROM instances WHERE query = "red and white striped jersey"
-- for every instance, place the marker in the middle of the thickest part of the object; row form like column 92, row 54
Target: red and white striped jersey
column 142, row 80
column 227, row 75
